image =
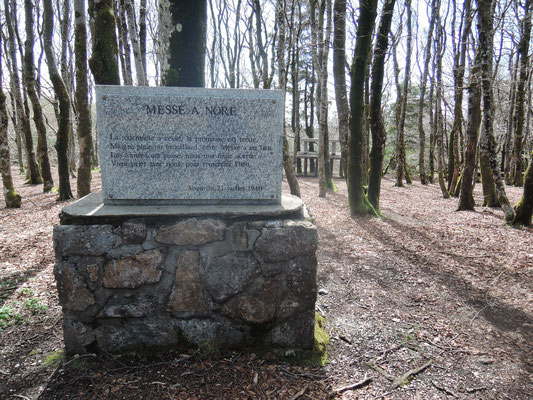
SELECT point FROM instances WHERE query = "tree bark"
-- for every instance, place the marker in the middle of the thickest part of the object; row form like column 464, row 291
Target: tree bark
column 524, row 208
column 486, row 49
column 288, row 165
column 439, row 53
column 182, row 31
column 103, row 62
column 134, row 36
column 377, row 127
column 324, row 178
column 518, row 119
column 458, row 74
column 142, row 35
column 466, row 198
column 29, row 80
column 359, row 204
column 123, row 42
column 435, row 7
column 82, row 93
column 339, row 76
column 11, row 197
column 401, row 167
column 23, row 117
column 65, row 192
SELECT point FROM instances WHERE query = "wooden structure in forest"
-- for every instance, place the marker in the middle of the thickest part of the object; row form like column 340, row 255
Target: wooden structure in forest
column 310, row 149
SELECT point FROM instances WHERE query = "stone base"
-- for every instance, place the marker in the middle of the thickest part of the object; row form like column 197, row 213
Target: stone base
column 137, row 278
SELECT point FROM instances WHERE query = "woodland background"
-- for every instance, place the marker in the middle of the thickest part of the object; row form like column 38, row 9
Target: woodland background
column 440, row 91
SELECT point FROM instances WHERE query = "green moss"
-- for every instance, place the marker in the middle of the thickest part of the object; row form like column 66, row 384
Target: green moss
column 319, row 354
column 13, row 199
column 54, row 359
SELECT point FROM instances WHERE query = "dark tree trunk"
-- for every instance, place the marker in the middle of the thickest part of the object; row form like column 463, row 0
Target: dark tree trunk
column 435, row 6
column 377, row 127
column 523, row 49
column 82, row 95
column 29, row 80
column 103, row 62
column 486, row 49
column 65, row 192
column 23, row 117
column 458, row 74
column 466, row 198
column 401, row 168
column 11, row 197
column 524, row 208
column 339, row 76
column 184, row 49
column 288, row 165
column 359, row 204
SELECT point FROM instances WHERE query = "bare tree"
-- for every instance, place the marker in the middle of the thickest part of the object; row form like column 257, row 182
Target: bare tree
column 29, row 81
column 11, row 197
column 359, row 203
column 23, row 116
column 288, row 166
column 401, row 167
column 134, row 36
column 517, row 162
column 487, row 148
column 82, row 95
column 377, row 126
column 435, row 7
column 466, row 198
column 339, row 76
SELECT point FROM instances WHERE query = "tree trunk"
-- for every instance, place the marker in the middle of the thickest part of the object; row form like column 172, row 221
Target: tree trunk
column 523, row 49
column 123, row 42
column 377, row 127
column 288, row 165
column 439, row 54
column 401, row 168
column 134, row 36
column 524, row 208
column 324, row 178
column 103, row 62
column 458, row 74
column 142, row 35
column 65, row 192
column 23, row 117
column 182, row 35
column 507, row 147
column 84, row 114
column 435, row 7
column 466, row 198
column 359, row 204
column 11, row 197
column 29, row 80
column 486, row 39
column 339, row 76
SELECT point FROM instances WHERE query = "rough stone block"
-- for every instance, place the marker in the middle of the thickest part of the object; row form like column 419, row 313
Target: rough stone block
column 228, row 275
column 193, row 232
column 187, row 293
column 295, row 332
column 87, row 240
column 77, row 336
column 135, row 271
column 292, row 240
column 133, row 231
column 73, row 293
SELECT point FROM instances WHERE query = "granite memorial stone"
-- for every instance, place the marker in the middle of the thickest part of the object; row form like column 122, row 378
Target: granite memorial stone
column 170, row 145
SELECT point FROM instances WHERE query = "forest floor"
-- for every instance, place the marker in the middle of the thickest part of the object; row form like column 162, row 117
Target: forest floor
column 426, row 286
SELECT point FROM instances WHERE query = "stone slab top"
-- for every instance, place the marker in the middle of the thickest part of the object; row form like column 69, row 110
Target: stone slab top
column 92, row 206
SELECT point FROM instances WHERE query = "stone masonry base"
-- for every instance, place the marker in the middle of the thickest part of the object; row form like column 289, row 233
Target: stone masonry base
column 159, row 278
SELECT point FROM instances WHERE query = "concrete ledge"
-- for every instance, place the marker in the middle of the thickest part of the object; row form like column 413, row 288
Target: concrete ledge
column 92, row 207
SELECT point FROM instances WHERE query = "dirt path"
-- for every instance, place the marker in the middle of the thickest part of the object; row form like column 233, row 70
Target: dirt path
column 425, row 285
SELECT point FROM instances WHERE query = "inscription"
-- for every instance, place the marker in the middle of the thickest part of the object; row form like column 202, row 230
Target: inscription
column 184, row 143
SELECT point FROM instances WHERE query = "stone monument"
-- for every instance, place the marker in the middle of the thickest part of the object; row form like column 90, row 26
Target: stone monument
column 191, row 240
